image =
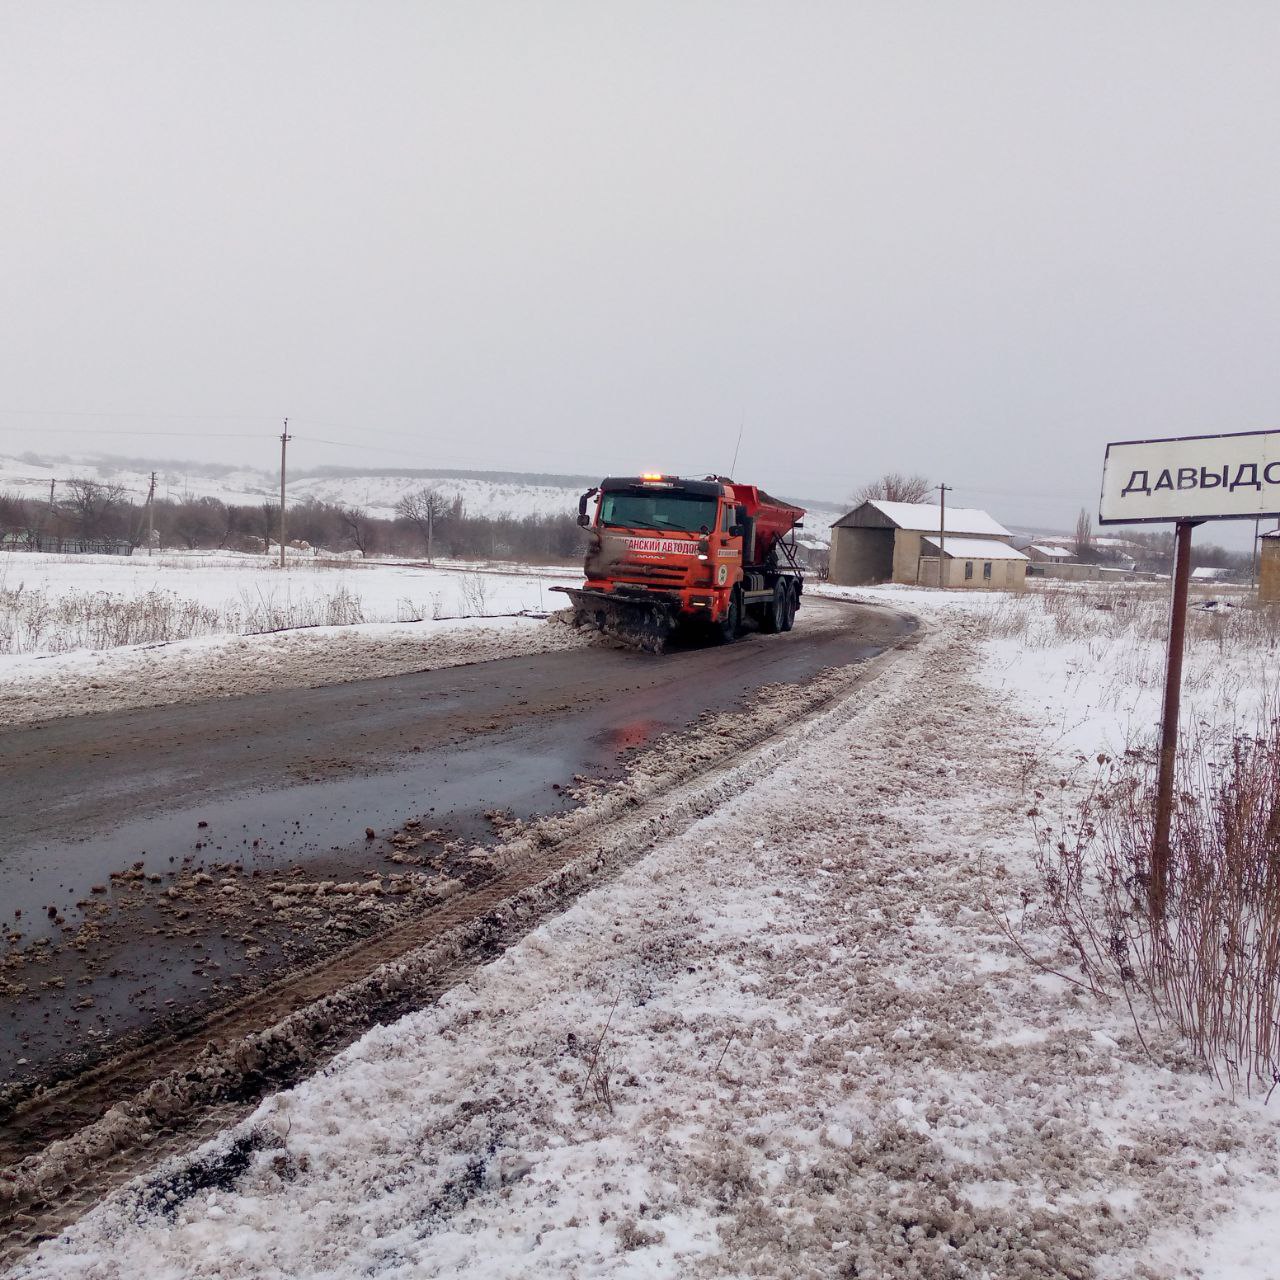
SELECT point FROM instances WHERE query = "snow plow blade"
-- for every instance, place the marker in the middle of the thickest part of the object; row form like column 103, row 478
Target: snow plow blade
column 637, row 622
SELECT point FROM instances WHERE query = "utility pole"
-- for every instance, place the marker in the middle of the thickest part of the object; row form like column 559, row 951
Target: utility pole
column 942, row 533
column 431, row 517
column 52, row 483
column 285, row 437
column 151, row 514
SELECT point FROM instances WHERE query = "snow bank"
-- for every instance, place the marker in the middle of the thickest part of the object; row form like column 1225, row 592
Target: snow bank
column 231, row 594
column 37, row 688
column 195, row 610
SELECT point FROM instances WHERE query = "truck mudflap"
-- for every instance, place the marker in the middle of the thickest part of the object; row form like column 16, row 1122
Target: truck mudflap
column 639, row 622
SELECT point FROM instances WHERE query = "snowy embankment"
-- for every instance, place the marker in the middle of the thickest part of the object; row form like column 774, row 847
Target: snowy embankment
column 791, row 1041
column 97, row 633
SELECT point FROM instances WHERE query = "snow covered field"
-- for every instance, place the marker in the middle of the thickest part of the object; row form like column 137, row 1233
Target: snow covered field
column 92, row 633
column 1088, row 660
column 98, row 601
column 377, row 492
column 792, row 1041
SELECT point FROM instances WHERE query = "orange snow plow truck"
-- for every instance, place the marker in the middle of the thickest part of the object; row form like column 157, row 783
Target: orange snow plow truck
column 667, row 552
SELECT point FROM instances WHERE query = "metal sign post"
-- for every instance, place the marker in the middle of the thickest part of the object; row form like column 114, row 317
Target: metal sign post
column 1187, row 481
column 1169, row 719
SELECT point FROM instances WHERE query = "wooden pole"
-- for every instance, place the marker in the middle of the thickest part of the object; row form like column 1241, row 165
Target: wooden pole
column 942, row 534
column 284, row 440
column 1169, row 720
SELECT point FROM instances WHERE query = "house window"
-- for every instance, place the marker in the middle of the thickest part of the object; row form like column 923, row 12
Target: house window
column 986, row 570
column 968, row 570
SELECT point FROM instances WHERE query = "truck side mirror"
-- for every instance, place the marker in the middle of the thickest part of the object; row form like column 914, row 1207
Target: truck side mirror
column 736, row 531
column 584, row 520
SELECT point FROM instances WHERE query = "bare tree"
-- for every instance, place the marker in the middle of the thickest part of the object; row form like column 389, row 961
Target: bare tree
column 233, row 523
column 92, row 504
column 894, row 486
column 359, row 528
column 266, row 520
column 423, row 509
column 15, row 511
column 1084, row 532
column 196, row 522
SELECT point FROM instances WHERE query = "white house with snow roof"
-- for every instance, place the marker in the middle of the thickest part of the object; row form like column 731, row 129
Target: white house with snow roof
column 1047, row 553
column 905, row 542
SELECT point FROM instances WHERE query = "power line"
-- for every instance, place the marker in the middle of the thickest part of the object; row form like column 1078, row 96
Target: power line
column 1016, row 493
column 363, row 447
column 181, row 435
column 134, row 413
column 432, row 460
column 366, row 448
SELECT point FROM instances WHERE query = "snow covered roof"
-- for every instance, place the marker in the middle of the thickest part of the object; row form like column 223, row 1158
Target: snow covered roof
column 924, row 516
column 975, row 548
column 1210, row 575
column 1057, row 552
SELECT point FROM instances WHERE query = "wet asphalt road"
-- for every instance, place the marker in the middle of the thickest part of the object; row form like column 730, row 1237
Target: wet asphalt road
column 293, row 779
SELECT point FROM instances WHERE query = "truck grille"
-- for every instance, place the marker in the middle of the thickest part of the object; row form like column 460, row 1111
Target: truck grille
column 665, row 575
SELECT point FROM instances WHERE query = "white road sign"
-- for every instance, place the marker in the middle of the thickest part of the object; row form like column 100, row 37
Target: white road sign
column 1226, row 477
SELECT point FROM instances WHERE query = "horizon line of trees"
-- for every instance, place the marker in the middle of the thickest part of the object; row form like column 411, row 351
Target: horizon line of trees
column 427, row 522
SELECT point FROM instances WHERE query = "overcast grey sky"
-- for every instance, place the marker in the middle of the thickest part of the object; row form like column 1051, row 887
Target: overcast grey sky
column 972, row 239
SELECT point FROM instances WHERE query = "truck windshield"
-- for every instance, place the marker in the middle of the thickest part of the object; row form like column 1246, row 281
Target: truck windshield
column 658, row 510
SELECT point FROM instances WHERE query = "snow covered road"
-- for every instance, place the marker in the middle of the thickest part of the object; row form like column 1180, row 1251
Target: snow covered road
column 182, row 817
column 791, row 1041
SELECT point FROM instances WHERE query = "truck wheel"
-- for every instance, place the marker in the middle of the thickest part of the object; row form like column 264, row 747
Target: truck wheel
column 789, row 614
column 730, row 625
column 774, row 618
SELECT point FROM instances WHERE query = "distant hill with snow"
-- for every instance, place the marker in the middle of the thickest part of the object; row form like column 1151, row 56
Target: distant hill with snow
column 487, row 493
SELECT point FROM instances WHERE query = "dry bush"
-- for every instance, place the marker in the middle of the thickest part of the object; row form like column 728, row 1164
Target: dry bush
column 601, row 1076
column 409, row 610
column 1106, row 613
column 1059, row 613
column 473, row 590
column 35, row 621
column 635, row 1235
column 264, row 611
column 1211, row 966
column 1116, row 634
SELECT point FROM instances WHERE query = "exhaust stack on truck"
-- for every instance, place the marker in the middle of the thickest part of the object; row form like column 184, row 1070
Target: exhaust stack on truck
column 667, row 552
